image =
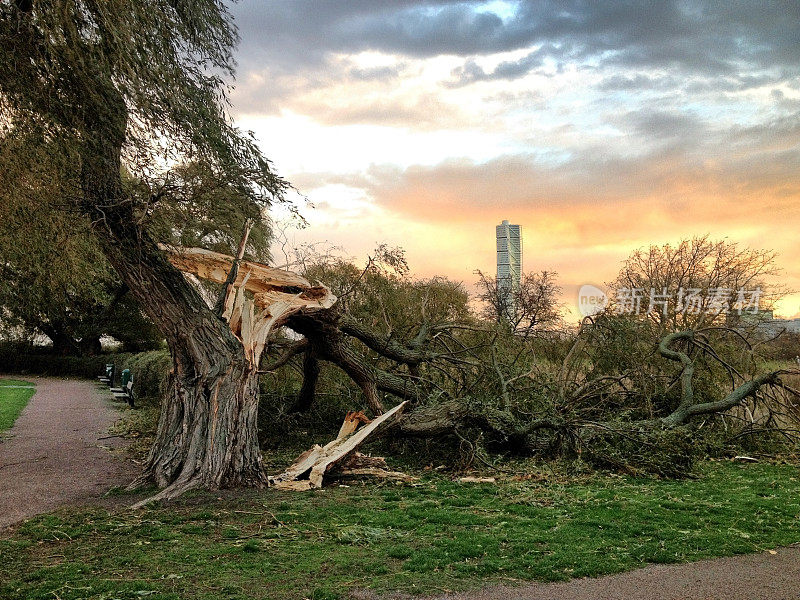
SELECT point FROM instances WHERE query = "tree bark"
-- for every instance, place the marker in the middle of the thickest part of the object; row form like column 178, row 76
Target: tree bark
column 327, row 341
column 207, row 434
column 750, row 388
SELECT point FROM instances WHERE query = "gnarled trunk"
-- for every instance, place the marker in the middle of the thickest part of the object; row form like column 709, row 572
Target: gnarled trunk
column 74, row 71
column 207, row 434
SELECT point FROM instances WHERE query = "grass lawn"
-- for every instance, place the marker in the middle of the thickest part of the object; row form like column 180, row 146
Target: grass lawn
column 432, row 536
column 13, row 400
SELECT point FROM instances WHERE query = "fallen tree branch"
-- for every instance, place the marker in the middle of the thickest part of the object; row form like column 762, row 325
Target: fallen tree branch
column 736, row 397
column 310, row 468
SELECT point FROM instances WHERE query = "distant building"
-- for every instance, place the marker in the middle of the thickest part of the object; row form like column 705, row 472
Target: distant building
column 509, row 256
column 765, row 321
column 775, row 326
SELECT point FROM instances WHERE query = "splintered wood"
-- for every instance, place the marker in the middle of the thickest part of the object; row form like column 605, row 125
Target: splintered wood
column 340, row 458
column 274, row 296
column 259, row 299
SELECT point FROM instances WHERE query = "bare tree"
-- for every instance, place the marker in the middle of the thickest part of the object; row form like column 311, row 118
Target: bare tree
column 697, row 283
column 533, row 304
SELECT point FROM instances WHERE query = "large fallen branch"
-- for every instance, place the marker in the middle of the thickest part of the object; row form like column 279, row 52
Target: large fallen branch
column 284, row 298
column 687, row 407
column 266, row 298
column 311, row 467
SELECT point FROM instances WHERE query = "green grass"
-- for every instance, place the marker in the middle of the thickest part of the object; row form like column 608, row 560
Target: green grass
column 12, row 401
column 434, row 536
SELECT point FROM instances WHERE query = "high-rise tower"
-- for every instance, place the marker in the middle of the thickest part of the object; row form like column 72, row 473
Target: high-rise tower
column 509, row 256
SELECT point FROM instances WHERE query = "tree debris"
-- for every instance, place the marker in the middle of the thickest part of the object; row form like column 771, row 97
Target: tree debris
column 339, row 457
column 274, row 296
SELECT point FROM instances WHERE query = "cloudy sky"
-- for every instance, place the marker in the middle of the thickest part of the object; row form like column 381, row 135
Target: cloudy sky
column 600, row 127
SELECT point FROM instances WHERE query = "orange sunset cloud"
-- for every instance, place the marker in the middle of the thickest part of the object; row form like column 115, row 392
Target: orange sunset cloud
column 608, row 128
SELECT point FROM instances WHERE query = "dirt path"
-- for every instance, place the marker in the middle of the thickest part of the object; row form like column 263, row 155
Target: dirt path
column 54, row 456
column 751, row 577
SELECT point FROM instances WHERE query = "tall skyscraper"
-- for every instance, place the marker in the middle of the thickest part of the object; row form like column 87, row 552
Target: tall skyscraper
column 509, row 256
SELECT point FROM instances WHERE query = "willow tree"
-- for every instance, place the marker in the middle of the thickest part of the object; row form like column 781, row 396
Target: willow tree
column 54, row 280
column 110, row 84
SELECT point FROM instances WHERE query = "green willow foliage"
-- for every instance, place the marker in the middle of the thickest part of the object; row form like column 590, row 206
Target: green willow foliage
column 70, row 70
column 70, row 73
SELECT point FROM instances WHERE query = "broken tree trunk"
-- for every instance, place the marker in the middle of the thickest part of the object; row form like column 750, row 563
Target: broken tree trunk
column 311, row 467
column 274, row 294
column 207, row 433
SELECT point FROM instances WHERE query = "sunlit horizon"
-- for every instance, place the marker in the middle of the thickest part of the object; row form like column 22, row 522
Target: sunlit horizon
column 607, row 129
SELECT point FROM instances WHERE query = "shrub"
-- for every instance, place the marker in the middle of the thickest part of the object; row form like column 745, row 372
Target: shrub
column 150, row 372
column 25, row 359
column 149, row 369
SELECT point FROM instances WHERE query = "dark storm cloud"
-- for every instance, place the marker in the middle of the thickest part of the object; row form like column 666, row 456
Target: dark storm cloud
column 301, row 33
column 720, row 38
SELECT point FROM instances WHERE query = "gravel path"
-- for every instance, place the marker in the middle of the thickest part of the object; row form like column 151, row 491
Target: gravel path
column 55, row 456
column 750, row 577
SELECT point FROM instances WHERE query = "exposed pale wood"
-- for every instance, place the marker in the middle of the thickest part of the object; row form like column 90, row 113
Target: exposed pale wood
column 276, row 294
column 246, row 327
column 301, row 465
column 333, row 453
column 338, row 449
column 372, row 472
column 302, row 485
column 215, row 266
column 234, row 317
column 351, row 422
column 745, row 459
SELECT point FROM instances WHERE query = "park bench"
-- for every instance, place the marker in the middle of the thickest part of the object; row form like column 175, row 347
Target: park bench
column 108, row 377
column 125, row 376
column 125, row 391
